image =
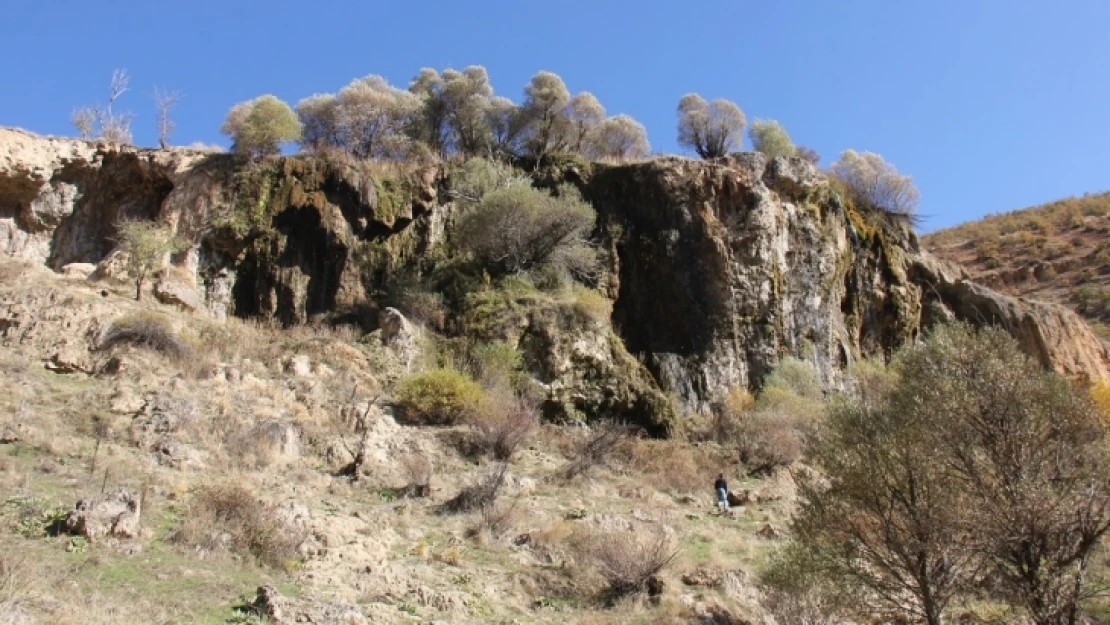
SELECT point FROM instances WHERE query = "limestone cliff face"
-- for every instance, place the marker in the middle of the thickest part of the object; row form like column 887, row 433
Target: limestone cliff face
column 718, row 270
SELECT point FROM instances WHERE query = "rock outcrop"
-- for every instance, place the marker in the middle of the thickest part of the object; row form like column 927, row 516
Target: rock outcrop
column 717, row 269
column 116, row 515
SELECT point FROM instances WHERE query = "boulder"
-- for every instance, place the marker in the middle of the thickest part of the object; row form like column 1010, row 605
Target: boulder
column 112, row 267
column 175, row 293
column 70, row 359
column 78, row 270
column 299, row 365
column 280, row 610
column 742, row 498
column 706, row 577
column 113, row 515
column 399, row 335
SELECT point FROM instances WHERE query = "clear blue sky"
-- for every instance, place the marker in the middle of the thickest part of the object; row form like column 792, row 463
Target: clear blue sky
column 991, row 105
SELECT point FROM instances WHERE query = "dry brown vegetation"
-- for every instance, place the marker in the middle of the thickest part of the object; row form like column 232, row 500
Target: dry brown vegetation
column 231, row 517
column 1057, row 252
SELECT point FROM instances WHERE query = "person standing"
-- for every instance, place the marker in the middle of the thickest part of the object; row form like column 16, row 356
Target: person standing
column 721, row 486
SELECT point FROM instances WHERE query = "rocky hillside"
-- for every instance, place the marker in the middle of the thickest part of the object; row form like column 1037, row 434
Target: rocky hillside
column 1055, row 253
column 715, row 270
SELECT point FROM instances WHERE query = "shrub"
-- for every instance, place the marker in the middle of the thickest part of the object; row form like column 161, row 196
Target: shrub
column 148, row 331
column 478, row 177
column 233, row 518
column 504, row 422
column 629, row 561
column 876, row 183
column 437, row 397
column 518, row 228
column 770, row 138
column 601, row 446
column 712, row 129
column 258, row 127
column 479, row 495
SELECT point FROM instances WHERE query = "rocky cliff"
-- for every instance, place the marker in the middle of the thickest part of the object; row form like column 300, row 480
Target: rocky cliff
column 716, row 270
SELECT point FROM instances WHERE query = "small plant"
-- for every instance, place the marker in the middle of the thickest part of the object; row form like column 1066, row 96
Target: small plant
column 481, row 494
column 437, row 397
column 419, row 472
column 504, row 423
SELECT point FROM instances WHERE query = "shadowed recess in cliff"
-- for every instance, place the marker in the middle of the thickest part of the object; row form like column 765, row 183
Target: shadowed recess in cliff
column 294, row 272
column 126, row 186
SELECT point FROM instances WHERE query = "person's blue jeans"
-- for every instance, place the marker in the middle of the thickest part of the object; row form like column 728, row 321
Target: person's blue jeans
column 722, row 499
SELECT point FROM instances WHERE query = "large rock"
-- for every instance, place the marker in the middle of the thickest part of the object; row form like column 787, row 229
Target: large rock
column 116, row 515
column 723, row 268
column 281, row 610
column 175, row 293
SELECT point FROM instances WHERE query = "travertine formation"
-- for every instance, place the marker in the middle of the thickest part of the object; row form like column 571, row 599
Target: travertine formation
column 717, row 270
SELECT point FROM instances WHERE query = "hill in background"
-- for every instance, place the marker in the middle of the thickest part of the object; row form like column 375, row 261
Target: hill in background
column 1058, row 252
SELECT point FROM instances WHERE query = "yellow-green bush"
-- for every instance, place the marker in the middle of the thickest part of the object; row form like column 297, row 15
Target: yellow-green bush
column 437, row 397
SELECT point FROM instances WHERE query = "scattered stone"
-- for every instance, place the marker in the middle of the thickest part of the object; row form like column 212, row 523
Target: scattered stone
column 69, row 359
column 655, row 586
column 279, row 610
column 769, row 532
column 299, row 365
column 742, row 498
column 706, row 577
column 112, row 267
column 115, row 515
column 175, row 293
column 399, row 335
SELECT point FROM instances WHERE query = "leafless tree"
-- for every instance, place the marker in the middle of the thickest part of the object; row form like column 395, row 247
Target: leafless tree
column 712, row 129
column 603, row 444
column 164, row 101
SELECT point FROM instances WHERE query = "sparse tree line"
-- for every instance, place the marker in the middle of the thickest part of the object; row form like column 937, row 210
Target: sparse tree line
column 454, row 113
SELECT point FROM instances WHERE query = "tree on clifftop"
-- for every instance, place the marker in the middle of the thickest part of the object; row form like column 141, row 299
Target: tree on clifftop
column 876, row 182
column 258, row 127
column 712, row 129
column 769, row 137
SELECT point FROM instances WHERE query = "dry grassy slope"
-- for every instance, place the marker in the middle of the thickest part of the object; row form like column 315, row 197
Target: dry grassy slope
column 382, row 559
column 1057, row 252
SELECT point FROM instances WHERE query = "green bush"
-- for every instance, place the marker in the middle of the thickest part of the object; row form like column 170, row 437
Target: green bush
column 518, row 228
column 437, row 397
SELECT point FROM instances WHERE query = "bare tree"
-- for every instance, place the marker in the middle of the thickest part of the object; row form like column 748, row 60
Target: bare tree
column 164, row 101
column 599, row 448
column 84, row 120
column 115, row 127
column 876, row 182
column 712, row 129
column 102, row 121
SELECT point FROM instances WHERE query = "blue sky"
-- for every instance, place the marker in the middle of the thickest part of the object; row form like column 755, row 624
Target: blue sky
column 991, row 105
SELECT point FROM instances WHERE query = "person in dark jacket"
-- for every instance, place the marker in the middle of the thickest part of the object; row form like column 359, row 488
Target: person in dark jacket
column 721, row 486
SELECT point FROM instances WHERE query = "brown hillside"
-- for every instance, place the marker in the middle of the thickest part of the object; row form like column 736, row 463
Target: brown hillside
column 1058, row 252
